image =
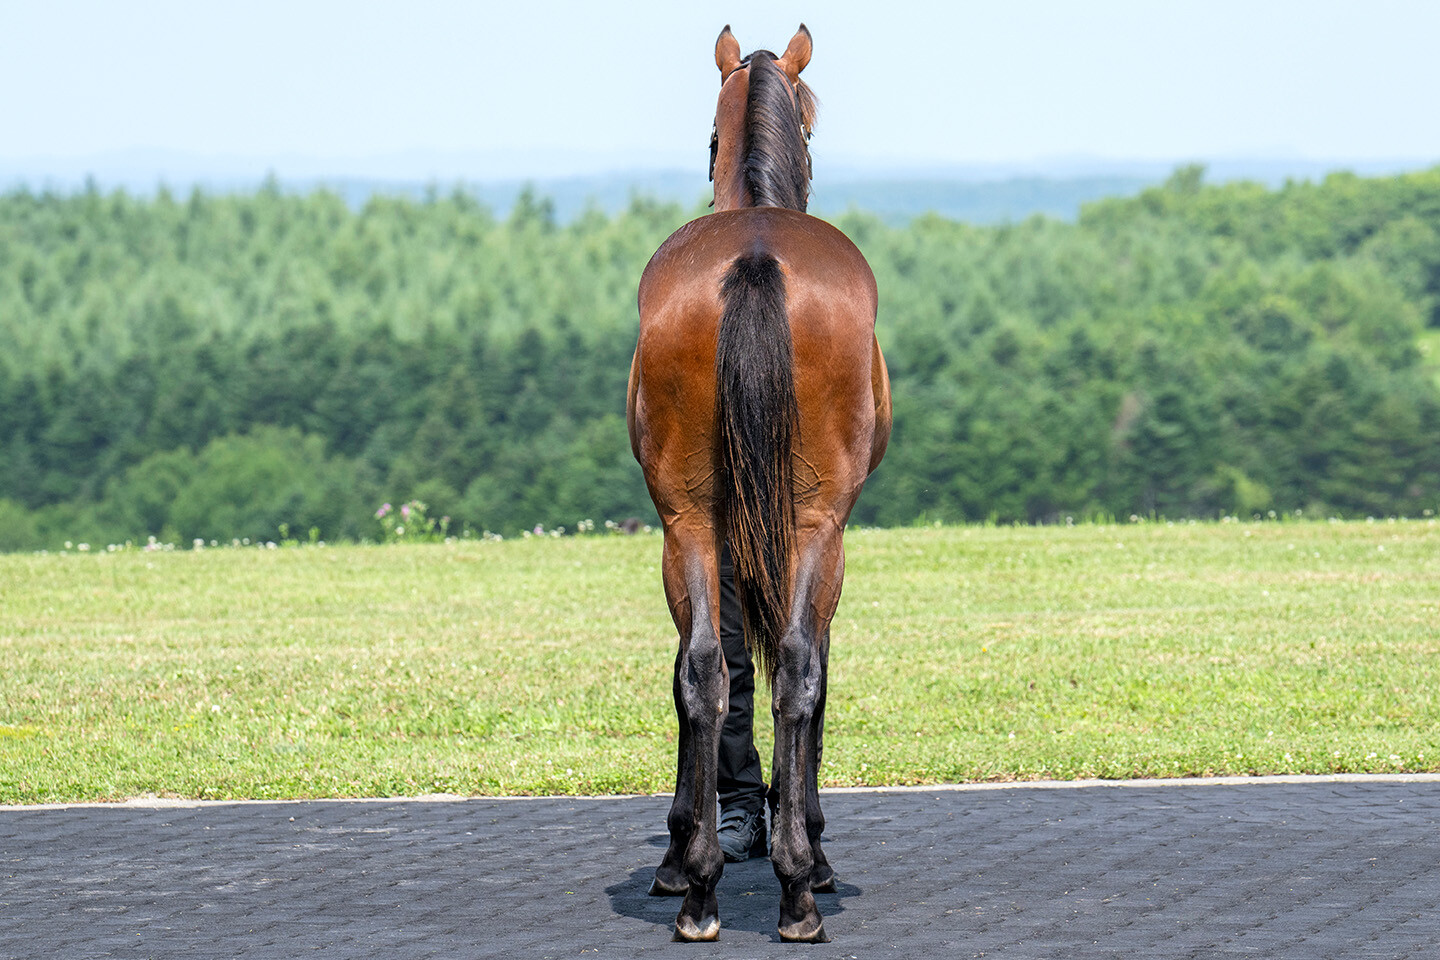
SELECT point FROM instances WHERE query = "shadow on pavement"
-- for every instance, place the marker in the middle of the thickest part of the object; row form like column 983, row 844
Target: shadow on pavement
column 749, row 898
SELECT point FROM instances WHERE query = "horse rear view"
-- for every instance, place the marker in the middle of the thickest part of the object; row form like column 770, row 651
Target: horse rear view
column 758, row 404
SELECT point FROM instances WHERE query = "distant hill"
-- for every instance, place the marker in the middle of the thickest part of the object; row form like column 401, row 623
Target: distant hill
column 982, row 194
column 895, row 200
column 986, row 202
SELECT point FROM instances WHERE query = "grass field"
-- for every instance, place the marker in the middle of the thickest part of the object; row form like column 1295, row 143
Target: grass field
column 542, row 665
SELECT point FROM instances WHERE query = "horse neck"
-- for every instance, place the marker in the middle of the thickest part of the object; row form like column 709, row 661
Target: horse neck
column 754, row 167
column 732, row 190
column 732, row 196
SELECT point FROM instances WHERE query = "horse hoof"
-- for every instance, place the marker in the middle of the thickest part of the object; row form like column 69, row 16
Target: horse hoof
column 805, row 932
column 676, row 887
column 688, row 931
column 822, row 879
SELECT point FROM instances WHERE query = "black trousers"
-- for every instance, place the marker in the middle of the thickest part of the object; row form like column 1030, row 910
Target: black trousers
column 741, row 779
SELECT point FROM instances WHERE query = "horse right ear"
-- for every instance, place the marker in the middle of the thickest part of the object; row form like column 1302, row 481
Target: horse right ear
column 797, row 55
column 727, row 53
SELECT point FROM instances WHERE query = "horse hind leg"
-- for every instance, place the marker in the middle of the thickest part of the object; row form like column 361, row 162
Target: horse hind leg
column 670, row 875
column 798, row 696
column 822, row 875
column 693, row 863
column 705, row 688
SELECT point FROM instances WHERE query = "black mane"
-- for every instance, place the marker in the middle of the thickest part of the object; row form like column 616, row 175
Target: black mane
column 777, row 161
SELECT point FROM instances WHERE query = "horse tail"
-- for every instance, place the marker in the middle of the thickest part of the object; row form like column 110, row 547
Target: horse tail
column 758, row 418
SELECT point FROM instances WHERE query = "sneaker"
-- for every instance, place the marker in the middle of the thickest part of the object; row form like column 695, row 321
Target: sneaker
column 742, row 833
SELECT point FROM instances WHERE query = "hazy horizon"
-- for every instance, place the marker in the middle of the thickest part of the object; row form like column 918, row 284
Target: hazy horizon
column 147, row 169
column 976, row 194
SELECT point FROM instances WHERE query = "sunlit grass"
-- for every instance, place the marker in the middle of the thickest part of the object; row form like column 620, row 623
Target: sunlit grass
column 543, row 665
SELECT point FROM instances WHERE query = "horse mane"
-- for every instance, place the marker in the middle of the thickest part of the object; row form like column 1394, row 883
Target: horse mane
column 777, row 159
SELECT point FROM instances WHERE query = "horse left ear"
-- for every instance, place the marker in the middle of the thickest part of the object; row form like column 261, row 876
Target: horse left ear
column 797, row 55
column 727, row 53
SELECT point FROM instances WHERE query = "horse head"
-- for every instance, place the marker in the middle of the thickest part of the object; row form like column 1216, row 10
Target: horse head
column 759, row 153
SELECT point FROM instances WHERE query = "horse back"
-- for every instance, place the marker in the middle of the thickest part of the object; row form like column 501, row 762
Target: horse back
column 818, row 261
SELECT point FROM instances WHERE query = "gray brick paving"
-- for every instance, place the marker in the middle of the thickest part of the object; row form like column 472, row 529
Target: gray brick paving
column 1301, row 870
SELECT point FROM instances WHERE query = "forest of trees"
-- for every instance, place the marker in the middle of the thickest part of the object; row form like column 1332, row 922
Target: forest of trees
column 218, row 365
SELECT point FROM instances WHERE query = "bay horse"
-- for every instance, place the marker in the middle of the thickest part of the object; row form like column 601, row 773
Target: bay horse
column 758, row 404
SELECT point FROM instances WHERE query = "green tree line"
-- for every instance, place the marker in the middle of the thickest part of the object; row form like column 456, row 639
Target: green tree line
column 218, row 365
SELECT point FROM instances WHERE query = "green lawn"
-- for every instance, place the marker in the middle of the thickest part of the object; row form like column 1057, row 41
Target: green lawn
column 543, row 665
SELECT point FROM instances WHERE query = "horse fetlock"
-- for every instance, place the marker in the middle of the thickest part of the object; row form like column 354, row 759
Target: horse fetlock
column 704, row 864
column 790, row 860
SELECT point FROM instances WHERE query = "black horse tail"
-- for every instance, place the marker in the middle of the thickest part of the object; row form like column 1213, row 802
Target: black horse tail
column 758, row 419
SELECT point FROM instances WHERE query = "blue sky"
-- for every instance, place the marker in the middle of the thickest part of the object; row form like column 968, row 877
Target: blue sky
column 424, row 89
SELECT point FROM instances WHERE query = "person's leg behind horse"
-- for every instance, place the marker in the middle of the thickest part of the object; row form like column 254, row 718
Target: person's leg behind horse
column 740, row 778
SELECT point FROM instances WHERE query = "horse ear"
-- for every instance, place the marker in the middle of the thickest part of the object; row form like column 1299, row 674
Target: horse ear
column 727, row 53
column 797, row 55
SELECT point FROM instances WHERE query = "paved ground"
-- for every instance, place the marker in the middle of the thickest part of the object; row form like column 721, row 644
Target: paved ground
column 1299, row 870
